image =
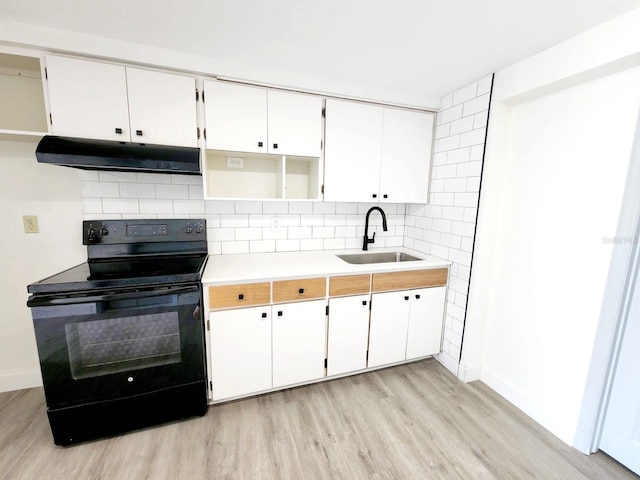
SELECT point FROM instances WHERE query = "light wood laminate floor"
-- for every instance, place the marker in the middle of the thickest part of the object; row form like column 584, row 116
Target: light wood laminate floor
column 414, row 421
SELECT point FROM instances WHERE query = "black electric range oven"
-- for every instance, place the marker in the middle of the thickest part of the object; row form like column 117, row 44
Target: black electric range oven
column 120, row 337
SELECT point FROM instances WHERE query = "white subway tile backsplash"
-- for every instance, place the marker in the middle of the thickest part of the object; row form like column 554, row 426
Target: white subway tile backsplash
column 484, row 85
column 470, row 215
column 221, row 234
column 174, row 192
column 120, row 205
column 311, row 244
column 262, row 246
column 466, row 199
column 453, row 213
column 304, row 208
column 301, row 232
column 155, row 206
column 469, row 169
column 189, row 206
column 437, row 186
column 269, row 234
column 477, row 105
column 335, row 220
column 196, row 192
column 442, row 131
column 439, row 158
column 89, row 175
column 235, row 247
column 439, row 251
column 448, row 143
column 152, row 178
column 99, row 189
column 312, row 220
column 463, row 228
column 465, row 124
column 334, row 244
column 473, row 184
column 323, row 232
column 245, row 206
column 449, row 114
column 119, row 177
column 444, row 199
column 480, row 120
column 459, row 155
column 220, row 206
column 440, row 225
column 466, row 244
column 287, row 245
column 444, row 171
column 474, row 137
column 447, row 101
column 137, row 190
column 455, row 185
column 477, row 152
column 260, row 220
column 275, row 207
column 465, row 94
column 346, row 208
column 234, row 221
column 326, row 208
column 186, row 179
column 92, row 205
column 249, row 233
column 343, row 232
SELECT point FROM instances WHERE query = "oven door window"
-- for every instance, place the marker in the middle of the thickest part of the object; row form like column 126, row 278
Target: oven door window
column 102, row 347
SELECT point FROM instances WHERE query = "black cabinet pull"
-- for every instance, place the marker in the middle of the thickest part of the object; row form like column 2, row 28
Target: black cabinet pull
column 406, row 297
column 364, row 302
column 139, row 133
column 119, row 131
column 260, row 144
column 279, row 313
column 418, row 297
column 241, row 297
column 375, row 195
column 385, row 196
column 301, row 291
column 264, row 315
column 275, row 145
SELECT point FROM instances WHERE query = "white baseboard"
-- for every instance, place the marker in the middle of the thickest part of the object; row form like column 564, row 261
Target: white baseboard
column 470, row 373
column 20, row 380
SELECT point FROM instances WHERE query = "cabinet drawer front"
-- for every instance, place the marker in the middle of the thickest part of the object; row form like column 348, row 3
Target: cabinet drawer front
column 239, row 295
column 303, row 289
column 411, row 279
column 349, row 285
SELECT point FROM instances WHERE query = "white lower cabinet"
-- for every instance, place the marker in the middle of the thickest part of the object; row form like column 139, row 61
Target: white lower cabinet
column 240, row 351
column 426, row 315
column 348, row 334
column 299, row 342
column 405, row 325
column 388, row 329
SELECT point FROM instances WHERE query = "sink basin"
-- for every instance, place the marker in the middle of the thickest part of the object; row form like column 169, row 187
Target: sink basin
column 375, row 257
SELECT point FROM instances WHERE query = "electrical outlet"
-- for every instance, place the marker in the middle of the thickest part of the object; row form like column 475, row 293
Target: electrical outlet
column 275, row 224
column 30, row 223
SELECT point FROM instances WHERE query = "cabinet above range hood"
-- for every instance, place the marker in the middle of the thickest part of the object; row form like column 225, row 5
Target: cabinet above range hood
column 121, row 156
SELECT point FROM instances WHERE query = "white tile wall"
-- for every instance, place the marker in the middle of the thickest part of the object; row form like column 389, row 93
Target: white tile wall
column 446, row 226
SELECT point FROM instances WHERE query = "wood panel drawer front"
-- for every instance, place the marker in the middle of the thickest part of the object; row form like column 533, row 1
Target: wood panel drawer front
column 410, row 279
column 349, row 285
column 240, row 295
column 303, row 289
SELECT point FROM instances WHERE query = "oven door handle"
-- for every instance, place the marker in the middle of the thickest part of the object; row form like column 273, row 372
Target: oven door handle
column 110, row 296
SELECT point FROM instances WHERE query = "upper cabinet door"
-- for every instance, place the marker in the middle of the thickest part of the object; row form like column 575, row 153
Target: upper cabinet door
column 87, row 99
column 295, row 124
column 236, row 117
column 406, row 156
column 162, row 108
column 353, row 144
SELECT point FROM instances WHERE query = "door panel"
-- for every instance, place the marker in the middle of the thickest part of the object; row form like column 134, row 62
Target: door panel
column 425, row 322
column 348, row 334
column 388, row 329
column 295, row 124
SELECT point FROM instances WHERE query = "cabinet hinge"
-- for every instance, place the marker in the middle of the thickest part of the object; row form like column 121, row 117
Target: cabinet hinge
column 370, row 302
column 325, row 363
column 46, row 74
column 326, row 310
column 322, row 189
column 204, row 133
column 367, row 358
column 211, row 386
column 202, row 96
column 50, row 119
column 208, row 325
column 198, row 133
column 197, row 95
column 324, row 113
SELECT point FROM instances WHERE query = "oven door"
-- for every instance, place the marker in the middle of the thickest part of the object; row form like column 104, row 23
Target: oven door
column 96, row 346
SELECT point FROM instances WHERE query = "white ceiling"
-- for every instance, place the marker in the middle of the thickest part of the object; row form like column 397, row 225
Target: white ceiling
column 426, row 47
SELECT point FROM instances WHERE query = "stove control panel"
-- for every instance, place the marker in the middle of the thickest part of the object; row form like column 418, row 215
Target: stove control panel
column 143, row 231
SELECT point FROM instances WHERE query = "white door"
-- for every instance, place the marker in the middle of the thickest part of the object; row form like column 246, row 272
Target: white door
column 299, row 342
column 162, row 108
column 348, row 334
column 388, row 327
column 294, row 124
column 353, row 145
column 236, row 117
column 621, row 431
column 240, row 351
column 87, row 99
column 406, row 156
column 426, row 317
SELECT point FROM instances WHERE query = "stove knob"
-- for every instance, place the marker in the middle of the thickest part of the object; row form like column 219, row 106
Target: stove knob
column 198, row 228
column 104, row 231
column 92, row 234
column 189, row 229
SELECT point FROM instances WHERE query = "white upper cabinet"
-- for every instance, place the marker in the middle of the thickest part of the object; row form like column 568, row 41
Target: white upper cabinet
column 353, row 146
column 112, row 102
column 249, row 119
column 406, row 156
column 375, row 153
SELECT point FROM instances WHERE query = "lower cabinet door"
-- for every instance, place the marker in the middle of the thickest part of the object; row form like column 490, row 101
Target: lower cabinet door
column 425, row 321
column 299, row 342
column 388, row 329
column 348, row 334
column 240, row 351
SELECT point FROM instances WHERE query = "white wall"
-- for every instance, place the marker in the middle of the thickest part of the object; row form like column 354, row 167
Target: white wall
column 557, row 155
column 53, row 194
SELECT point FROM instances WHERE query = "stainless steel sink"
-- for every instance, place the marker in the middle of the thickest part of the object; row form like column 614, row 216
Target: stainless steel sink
column 378, row 257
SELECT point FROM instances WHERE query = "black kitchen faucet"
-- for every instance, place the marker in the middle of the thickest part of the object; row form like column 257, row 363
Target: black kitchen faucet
column 367, row 240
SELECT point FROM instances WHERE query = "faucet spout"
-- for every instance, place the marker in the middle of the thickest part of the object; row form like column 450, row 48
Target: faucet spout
column 366, row 241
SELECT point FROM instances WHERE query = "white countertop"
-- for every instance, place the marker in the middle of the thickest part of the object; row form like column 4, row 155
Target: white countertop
column 227, row 269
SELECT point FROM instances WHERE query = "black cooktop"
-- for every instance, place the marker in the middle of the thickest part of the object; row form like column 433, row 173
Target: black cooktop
column 123, row 273
column 133, row 253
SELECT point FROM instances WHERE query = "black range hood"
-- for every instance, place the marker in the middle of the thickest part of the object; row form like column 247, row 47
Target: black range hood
column 120, row 156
